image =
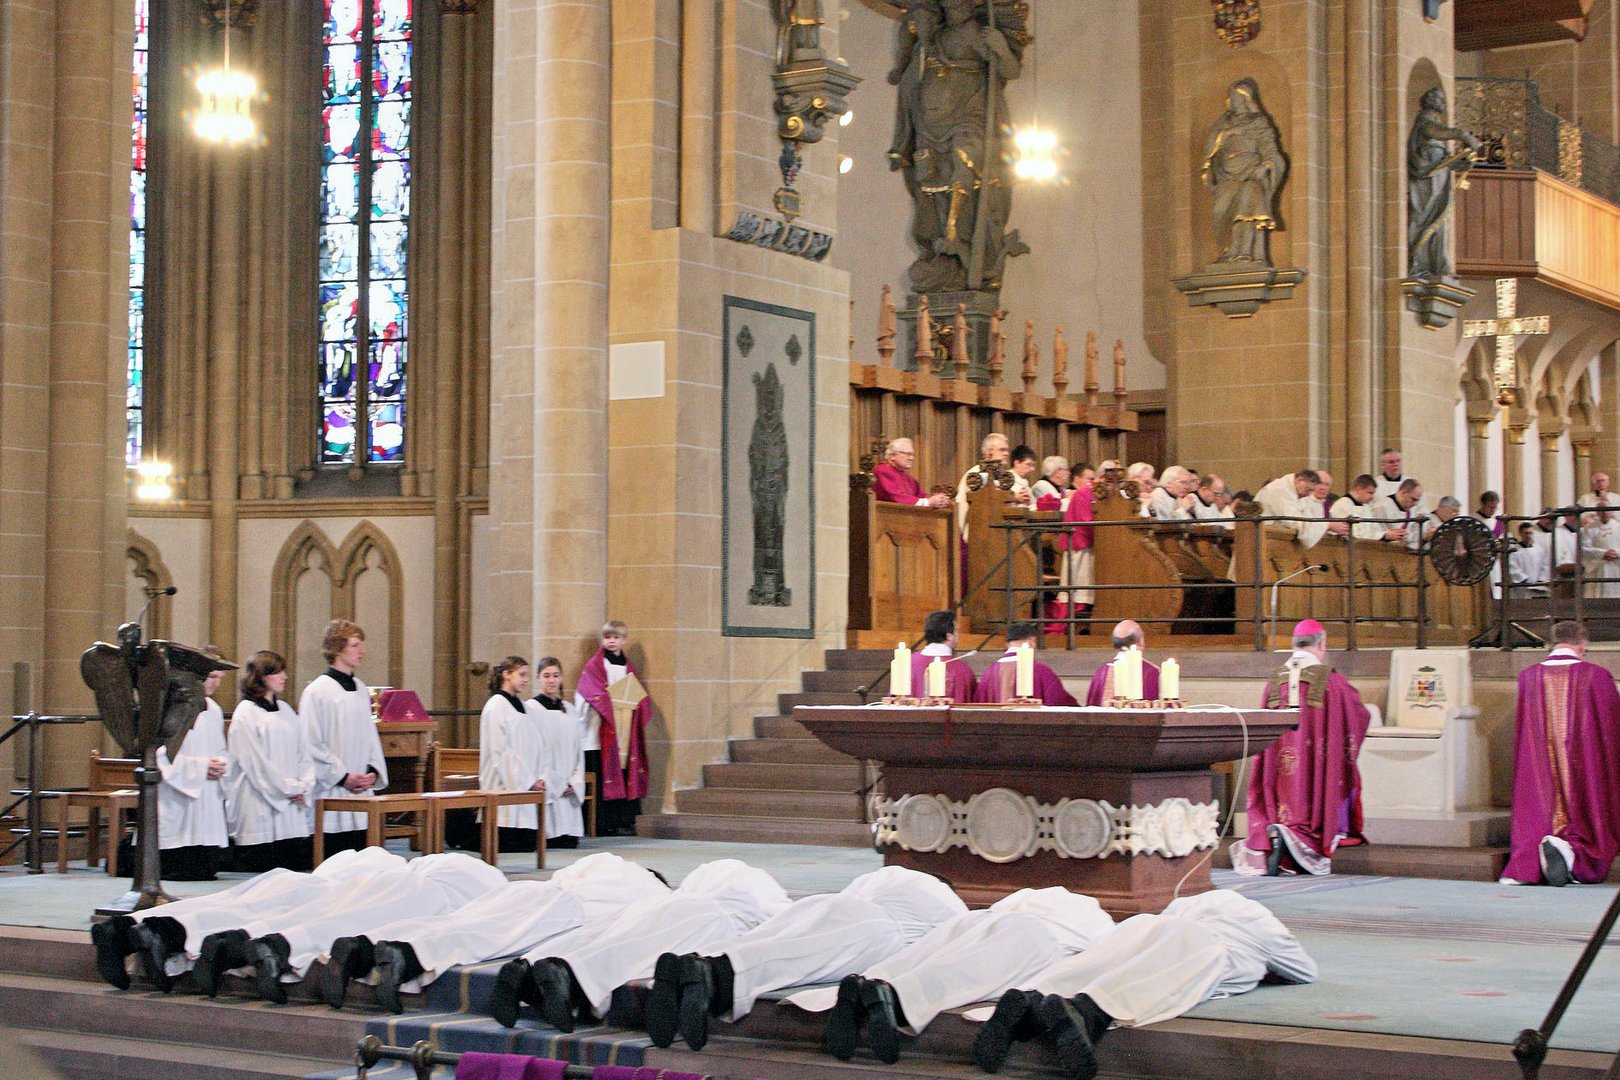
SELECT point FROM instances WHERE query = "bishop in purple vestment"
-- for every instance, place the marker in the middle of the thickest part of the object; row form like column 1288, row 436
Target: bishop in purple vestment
column 998, row 681
column 939, row 642
column 1566, row 768
column 1126, row 634
column 892, row 480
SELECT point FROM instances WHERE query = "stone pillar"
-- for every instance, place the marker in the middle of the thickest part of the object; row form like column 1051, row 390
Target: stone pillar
column 1513, row 463
column 224, row 378
column 85, row 483
column 1549, row 466
column 549, row 310
column 1582, row 442
column 1479, row 470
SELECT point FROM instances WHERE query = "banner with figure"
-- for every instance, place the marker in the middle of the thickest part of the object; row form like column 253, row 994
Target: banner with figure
column 767, row 443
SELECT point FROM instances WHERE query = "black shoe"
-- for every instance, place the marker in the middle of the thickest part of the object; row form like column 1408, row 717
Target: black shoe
column 112, row 941
column 1554, row 868
column 664, row 1001
column 1076, row 1024
column 351, row 958
column 510, row 983
column 1017, row 1018
column 270, row 962
column 1274, row 856
column 844, row 1023
column 563, row 843
column 882, row 1020
column 154, row 956
column 697, row 997
column 554, row 984
column 394, row 968
column 219, row 953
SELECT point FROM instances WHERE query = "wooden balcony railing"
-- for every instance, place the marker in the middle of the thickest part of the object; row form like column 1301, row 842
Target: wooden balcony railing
column 1522, row 222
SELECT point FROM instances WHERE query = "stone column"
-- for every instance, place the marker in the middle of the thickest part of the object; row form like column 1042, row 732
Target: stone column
column 1549, row 466
column 1516, row 423
column 1582, row 442
column 549, row 311
column 1479, row 470
column 224, row 378
column 85, row 484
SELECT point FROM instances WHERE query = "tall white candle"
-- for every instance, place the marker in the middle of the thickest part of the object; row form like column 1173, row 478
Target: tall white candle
column 1293, row 686
column 1024, row 676
column 936, row 677
column 900, row 671
column 1170, row 680
column 1136, row 674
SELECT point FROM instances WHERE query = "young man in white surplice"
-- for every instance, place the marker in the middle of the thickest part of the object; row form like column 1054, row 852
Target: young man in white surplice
column 511, row 750
column 192, row 838
column 565, row 758
column 343, row 739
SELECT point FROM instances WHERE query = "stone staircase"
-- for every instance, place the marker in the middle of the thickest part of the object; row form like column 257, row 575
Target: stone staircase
column 782, row 785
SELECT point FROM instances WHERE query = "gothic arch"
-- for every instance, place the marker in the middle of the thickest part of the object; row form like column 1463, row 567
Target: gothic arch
column 306, row 551
column 146, row 565
column 354, row 559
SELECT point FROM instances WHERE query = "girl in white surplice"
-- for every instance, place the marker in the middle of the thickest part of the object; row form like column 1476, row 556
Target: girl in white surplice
column 271, row 774
column 511, row 752
column 565, row 761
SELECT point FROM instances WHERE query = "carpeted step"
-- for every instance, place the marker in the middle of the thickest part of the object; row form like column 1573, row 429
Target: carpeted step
column 777, row 776
column 109, row 1057
column 792, row 751
column 733, row 828
column 752, row 802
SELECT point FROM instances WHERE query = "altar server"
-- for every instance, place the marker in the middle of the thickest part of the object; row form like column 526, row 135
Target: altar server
column 270, row 781
column 1152, row 968
column 343, row 738
column 818, row 939
column 511, row 752
column 974, row 957
column 1125, row 635
column 192, row 837
column 999, row 682
column 614, row 735
column 717, row 902
column 939, row 642
column 564, row 760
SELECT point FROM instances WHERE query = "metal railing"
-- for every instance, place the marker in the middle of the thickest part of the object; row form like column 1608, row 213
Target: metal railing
column 1518, row 131
column 32, row 794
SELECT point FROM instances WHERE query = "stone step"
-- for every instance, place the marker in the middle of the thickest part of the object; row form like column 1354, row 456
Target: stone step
column 1461, row 829
column 856, row 659
column 790, row 751
column 780, row 776
column 113, row 1058
column 780, row 727
column 846, row 680
column 743, row 830
column 750, row 802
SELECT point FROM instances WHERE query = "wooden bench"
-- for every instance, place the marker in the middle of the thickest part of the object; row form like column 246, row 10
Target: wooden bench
column 455, row 768
column 112, row 791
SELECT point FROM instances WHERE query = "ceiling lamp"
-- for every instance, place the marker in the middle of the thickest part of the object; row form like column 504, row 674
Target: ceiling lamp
column 225, row 115
column 153, row 483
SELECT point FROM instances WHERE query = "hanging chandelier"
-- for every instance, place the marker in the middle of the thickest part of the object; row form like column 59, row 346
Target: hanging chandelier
column 225, row 114
column 1035, row 149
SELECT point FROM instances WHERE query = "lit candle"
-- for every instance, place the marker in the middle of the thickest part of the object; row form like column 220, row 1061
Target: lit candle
column 900, row 671
column 936, row 677
column 1024, row 676
column 1170, row 681
column 1293, row 686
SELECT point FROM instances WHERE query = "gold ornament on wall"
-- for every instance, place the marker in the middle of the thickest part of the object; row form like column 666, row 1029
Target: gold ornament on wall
column 1237, row 22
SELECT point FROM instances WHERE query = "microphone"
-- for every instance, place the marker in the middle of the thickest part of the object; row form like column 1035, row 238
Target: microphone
column 1314, row 568
column 152, row 595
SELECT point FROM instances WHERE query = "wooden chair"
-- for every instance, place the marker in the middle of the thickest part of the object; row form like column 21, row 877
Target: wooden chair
column 455, row 768
column 112, row 790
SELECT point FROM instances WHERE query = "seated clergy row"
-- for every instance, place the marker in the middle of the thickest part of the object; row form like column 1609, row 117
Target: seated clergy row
column 890, row 951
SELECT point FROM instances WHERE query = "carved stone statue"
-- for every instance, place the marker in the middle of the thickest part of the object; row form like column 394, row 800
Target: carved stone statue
column 951, row 68
column 1244, row 167
column 798, row 30
column 148, row 696
column 768, row 487
column 1430, row 161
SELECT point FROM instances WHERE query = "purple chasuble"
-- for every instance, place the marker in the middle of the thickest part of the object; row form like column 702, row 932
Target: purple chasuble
column 996, row 684
column 958, row 678
column 890, row 484
column 1101, row 688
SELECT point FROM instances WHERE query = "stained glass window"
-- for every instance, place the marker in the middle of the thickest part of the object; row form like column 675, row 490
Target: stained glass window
column 136, row 375
column 365, row 230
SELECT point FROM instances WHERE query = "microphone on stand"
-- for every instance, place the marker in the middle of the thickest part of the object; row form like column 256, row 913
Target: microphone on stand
column 1315, row 568
column 153, row 594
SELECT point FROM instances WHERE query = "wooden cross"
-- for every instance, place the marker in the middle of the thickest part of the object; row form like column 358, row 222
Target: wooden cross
column 1506, row 328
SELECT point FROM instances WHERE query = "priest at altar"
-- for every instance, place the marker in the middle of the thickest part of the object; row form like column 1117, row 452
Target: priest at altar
column 999, row 680
column 1127, row 635
column 939, row 643
column 892, row 480
column 1566, row 768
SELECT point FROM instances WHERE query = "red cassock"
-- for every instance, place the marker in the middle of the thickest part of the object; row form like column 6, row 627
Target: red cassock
column 958, row 678
column 996, row 684
column 1079, row 509
column 1566, row 767
column 1307, row 780
column 1101, row 688
column 890, row 484
column 631, row 781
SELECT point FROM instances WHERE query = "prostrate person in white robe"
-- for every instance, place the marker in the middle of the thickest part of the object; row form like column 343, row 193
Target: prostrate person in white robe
column 818, row 939
column 408, row 954
column 511, row 755
column 1152, row 968
column 283, row 947
column 192, row 838
column 343, row 738
column 185, row 935
column 718, row 901
column 271, row 778
column 974, row 957
column 565, row 758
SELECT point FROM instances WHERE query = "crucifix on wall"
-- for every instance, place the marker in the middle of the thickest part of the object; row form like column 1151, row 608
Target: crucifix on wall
column 1506, row 328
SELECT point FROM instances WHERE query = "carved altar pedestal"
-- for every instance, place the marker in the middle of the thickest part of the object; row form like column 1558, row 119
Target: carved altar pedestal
column 1114, row 803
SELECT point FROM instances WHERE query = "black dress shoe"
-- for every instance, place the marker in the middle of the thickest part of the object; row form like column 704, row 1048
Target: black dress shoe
column 393, row 968
column 697, row 996
column 510, row 983
column 112, row 941
column 220, row 952
column 664, row 1001
column 1076, row 1024
column 351, row 958
column 1554, row 868
column 1017, row 1018
column 845, row 1020
column 553, row 982
column 270, row 961
column 153, row 954
column 882, row 1020
column 1274, row 856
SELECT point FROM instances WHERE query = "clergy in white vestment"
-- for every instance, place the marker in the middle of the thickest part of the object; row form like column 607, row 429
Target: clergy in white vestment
column 818, row 939
column 343, row 738
column 1600, row 495
column 1600, row 552
column 192, row 838
column 1152, row 968
column 565, row 758
column 270, row 781
column 993, row 447
column 410, row 953
column 1390, row 478
column 511, row 754
column 1528, row 569
column 716, row 902
column 1291, row 496
column 1172, row 500
column 974, row 957
column 1357, row 505
column 1210, row 503
column 1408, row 509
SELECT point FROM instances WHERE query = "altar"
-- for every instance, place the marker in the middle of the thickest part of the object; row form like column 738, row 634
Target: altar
column 1115, row 803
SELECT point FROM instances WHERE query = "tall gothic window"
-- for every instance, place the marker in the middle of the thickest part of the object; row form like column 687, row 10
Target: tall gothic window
column 365, row 220
column 136, row 375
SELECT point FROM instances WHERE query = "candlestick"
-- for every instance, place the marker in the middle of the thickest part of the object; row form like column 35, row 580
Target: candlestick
column 1024, row 675
column 900, row 671
column 936, row 678
column 1170, row 680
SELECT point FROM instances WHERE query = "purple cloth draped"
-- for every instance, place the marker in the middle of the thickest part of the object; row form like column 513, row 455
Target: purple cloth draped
column 958, row 678
column 616, row 783
column 996, row 684
column 1096, row 694
column 1575, row 794
column 477, row 1066
column 891, row 484
column 1079, row 509
column 1307, row 780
